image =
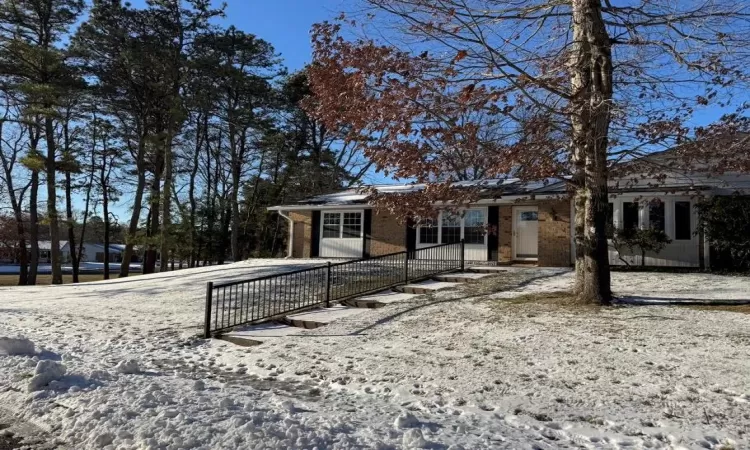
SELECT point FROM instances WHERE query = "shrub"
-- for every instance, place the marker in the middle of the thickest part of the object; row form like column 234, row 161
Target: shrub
column 648, row 240
column 725, row 222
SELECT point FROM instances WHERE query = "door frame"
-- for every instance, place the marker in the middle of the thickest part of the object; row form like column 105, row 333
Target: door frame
column 514, row 236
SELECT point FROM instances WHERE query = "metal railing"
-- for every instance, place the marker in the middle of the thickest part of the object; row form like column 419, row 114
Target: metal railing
column 252, row 301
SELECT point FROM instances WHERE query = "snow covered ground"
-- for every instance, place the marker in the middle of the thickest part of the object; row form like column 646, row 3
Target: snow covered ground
column 458, row 369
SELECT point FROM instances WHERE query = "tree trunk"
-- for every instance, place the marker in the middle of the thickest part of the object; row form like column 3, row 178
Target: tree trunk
column 191, row 187
column 225, row 235
column 54, row 223
column 137, row 204
column 105, row 211
column 149, row 263
column 166, row 218
column 237, row 150
column 579, row 203
column 87, row 202
column 74, row 259
column 23, row 253
column 16, row 205
column 591, row 68
column 33, row 228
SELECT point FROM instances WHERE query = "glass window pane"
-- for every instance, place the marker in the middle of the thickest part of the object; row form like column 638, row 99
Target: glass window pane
column 682, row 226
column 630, row 215
column 529, row 216
column 474, row 229
column 451, row 228
column 331, row 225
column 656, row 215
column 428, row 234
column 352, row 225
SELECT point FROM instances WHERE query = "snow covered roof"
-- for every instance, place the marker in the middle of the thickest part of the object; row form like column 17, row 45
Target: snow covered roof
column 488, row 188
column 47, row 245
column 112, row 247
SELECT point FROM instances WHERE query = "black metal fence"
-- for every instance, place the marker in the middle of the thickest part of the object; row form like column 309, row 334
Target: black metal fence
column 250, row 301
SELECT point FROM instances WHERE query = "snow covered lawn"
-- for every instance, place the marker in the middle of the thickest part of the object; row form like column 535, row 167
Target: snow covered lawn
column 458, row 369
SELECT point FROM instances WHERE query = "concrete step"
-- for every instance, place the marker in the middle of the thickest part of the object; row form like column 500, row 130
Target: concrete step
column 462, row 277
column 258, row 334
column 426, row 287
column 488, row 269
column 379, row 300
column 320, row 317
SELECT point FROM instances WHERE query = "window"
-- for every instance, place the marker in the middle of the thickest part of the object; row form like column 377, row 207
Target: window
column 610, row 220
column 474, row 227
column 428, row 233
column 451, row 228
column 682, row 225
column 529, row 216
column 352, row 225
column 342, row 225
column 630, row 215
column 656, row 215
column 331, row 225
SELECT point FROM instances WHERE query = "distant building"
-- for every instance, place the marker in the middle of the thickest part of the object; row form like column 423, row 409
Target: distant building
column 91, row 252
column 45, row 251
column 95, row 253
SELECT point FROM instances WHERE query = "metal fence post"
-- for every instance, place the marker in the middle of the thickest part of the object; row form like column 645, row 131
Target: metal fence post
column 209, row 298
column 463, row 253
column 406, row 266
column 328, row 285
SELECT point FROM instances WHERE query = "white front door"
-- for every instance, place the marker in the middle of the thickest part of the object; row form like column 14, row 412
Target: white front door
column 525, row 233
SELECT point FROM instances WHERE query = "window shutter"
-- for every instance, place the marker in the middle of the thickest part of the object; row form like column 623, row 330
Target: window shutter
column 411, row 236
column 493, row 222
column 315, row 238
column 367, row 234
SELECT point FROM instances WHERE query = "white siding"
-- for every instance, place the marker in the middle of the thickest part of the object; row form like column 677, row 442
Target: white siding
column 474, row 252
column 683, row 253
column 341, row 248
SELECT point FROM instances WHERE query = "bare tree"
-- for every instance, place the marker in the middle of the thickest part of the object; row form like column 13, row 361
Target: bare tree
column 575, row 84
column 12, row 146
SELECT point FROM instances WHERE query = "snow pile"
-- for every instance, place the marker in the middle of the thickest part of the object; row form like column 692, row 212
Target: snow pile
column 413, row 438
column 406, row 420
column 46, row 371
column 16, row 347
column 127, row 367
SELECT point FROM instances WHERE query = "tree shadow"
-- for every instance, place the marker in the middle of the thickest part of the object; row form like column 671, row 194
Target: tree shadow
column 638, row 300
column 403, row 312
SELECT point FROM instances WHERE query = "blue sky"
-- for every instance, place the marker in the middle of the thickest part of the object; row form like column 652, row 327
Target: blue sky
column 284, row 23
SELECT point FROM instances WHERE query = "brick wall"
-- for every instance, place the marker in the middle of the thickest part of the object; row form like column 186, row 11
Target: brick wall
column 388, row 234
column 505, row 237
column 306, row 218
column 554, row 233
